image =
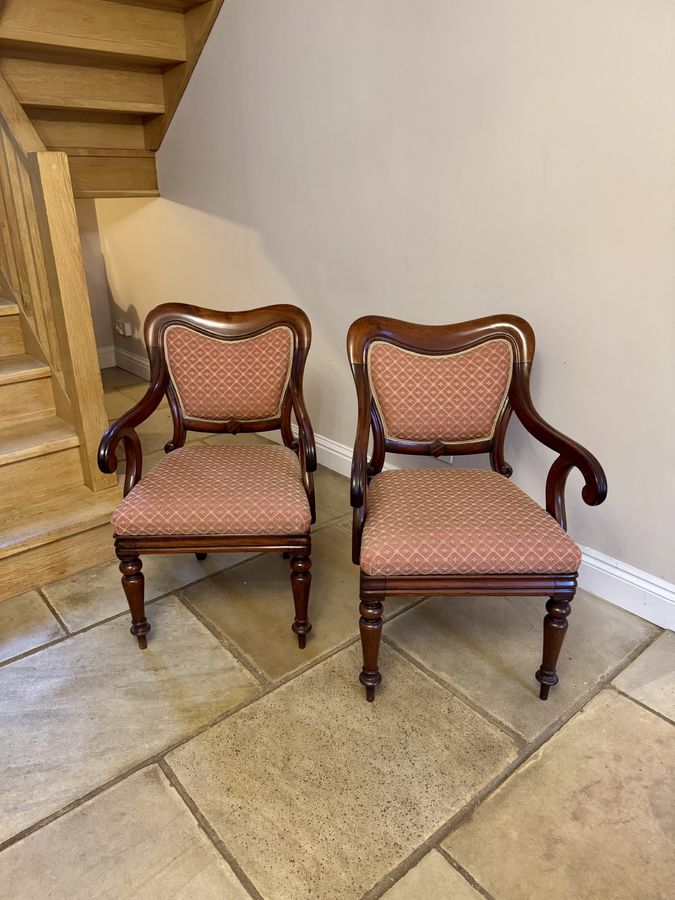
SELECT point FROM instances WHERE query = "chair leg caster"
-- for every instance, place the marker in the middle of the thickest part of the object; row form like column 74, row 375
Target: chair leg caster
column 370, row 680
column 302, row 629
column 546, row 681
column 201, row 556
column 140, row 631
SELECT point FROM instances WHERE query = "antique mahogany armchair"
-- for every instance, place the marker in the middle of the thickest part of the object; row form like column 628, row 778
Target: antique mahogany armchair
column 221, row 372
column 438, row 390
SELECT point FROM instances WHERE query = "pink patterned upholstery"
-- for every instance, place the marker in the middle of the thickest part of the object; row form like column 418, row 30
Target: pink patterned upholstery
column 456, row 397
column 202, row 490
column 459, row 522
column 218, row 379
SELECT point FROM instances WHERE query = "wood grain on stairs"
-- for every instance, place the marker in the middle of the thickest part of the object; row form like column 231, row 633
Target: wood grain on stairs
column 107, row 75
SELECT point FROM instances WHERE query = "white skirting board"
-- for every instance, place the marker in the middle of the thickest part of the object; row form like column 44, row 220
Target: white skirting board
column 632, row 589
column 106, row 357
column 132, row 362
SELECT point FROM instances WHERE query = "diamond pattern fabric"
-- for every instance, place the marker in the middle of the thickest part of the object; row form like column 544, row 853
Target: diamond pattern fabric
column 459, row 522
column 203, row 490
column 218, row 379
column 457, row 397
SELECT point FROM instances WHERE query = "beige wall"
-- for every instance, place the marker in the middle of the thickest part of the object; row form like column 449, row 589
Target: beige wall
column 437, row 161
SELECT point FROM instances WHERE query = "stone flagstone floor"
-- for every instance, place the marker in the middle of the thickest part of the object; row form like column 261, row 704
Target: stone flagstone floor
column 223, row 762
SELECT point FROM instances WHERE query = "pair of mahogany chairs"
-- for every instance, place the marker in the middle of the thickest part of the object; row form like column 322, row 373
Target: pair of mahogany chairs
column 422, row 390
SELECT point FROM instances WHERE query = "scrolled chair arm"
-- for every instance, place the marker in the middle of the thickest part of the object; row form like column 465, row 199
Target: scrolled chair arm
column 360, row 466
column 571, row 454
column 124, row 431
column 306, row 444
column 359, row 475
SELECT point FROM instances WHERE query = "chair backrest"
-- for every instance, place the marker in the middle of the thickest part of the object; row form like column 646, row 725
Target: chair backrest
column 228, row 371
column 438, row 389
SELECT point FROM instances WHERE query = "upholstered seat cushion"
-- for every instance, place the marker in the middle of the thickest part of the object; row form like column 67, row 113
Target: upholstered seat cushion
column 205, row 489
column 459, row 522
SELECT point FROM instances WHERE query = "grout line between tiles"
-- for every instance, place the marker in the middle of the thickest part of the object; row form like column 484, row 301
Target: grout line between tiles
column 476, row 885
column 33, row 650
column 224, row 641
column 519, row 740
column 51, row 609
column 209, row 831
column 647, row 708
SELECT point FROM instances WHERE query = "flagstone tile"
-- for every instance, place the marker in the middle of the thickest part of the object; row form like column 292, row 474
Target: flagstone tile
column 319, row 794
column 252, row 605
column 433, row 878
column 96, row 594
column 591, row 814
column 25, row 623
column 651, row 677
column 82, row 711
column 137, row 839
column 490, row 648
column 115, row 378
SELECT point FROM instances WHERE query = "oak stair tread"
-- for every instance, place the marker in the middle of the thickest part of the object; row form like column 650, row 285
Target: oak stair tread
column 22, row 367
column 58, row 516
column 36, row 437
column 8, row 308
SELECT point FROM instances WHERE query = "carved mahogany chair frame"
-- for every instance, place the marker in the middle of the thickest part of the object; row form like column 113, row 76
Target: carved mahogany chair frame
column 232, row 326
column 442, row 340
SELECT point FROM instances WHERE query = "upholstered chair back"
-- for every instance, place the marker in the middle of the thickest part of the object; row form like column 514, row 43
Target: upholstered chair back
column 218, row 378
column 451, row 397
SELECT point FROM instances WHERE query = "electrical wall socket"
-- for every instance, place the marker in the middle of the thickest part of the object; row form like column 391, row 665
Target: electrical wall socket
column 123, row 328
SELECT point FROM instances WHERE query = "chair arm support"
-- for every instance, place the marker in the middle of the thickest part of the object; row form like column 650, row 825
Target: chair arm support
column 359, row 475
column 307, row 446
column 571, row 454
column 124, row 431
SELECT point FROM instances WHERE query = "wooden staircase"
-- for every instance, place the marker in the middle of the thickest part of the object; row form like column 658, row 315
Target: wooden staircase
column 87, row 91
column 52, row 523
column 101, row 79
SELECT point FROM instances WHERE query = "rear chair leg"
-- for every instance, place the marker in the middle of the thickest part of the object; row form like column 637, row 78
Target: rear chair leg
column 201, row 556
column 370, row 626
column 133, row 583
column 301, row 579
column 555, row 626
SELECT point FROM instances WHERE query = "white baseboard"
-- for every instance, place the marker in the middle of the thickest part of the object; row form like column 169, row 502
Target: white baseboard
column 632, row 589
column 106, row 357
column 133, row 362
column 639, row 592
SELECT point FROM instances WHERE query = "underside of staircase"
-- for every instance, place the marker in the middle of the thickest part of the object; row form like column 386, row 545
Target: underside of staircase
column 87, row 91
column 101, row 79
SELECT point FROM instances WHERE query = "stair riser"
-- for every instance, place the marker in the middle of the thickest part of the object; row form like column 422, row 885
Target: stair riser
column 27, row 480
column 63, row 86
column 11, row 337
column 58, row 559
column 26, row 400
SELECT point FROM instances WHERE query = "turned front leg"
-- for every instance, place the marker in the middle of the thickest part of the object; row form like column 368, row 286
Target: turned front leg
column 301, row 580
column 133, row 583
column 555, row 627
column 370, row 626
